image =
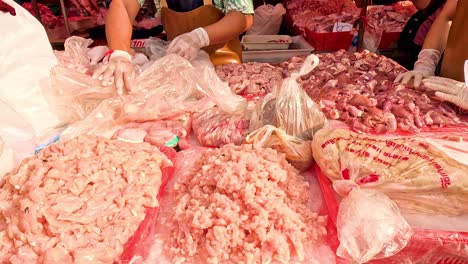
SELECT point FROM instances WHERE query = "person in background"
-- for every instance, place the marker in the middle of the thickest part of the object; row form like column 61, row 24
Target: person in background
column 190, row 24
column 450, row 90
column 414, row 33
column 433, row 47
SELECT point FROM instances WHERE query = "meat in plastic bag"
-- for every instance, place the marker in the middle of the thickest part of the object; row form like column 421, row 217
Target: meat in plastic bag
column 370, row 226
column 289, row 108
column 215, row 127
column 298, row 152
column 267, row 20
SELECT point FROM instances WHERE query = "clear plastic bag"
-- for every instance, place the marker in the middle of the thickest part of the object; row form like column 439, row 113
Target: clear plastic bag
column 372, row 38
column 298, row 152
column 370, row 226
column 24, row 69
column 155, row 48
column 289, row 108
column 267, row 20
column 75, row 56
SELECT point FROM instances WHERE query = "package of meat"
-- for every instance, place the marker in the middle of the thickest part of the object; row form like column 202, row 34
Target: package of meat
column 267, row 20
column 298, row 151
column 419, row 174
column 289, row 108
column 213, row 199
column 215, row 127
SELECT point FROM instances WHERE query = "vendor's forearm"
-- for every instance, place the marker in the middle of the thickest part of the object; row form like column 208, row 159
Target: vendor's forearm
column 438, row 34
column 119, row 21
column 229, row 27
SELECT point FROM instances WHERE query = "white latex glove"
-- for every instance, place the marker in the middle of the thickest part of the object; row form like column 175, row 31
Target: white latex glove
column 424, row 67
column 449, row 90
column 189, row 44
column 119, row 70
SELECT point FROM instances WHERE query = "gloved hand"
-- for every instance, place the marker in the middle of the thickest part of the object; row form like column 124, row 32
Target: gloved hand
column 118, row 69
column 449, row 90
column 424, row 67
column 189, row 44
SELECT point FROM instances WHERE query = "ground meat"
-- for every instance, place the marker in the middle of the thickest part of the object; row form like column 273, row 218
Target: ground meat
column 250, row 78
column 78, row 201
column 238, row 204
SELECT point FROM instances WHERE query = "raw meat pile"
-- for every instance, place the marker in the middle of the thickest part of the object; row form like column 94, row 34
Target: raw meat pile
column 250, row 78
column 215, row 128
column 47, row 18
column 238, row 204
column 78, row 201
column 391, row 18
column 358, row 88
column 318, row 8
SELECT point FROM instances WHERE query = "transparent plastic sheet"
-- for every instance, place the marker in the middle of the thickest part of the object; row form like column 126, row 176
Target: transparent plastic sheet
column 430, row 242
column 372, row 37
column 428, row 175
column 385, row 231
column 24, row 70
column 267, row 20
column 171, row 86
column 289, row 107
column 298, row 152
column 75, row 56
column 155, row 48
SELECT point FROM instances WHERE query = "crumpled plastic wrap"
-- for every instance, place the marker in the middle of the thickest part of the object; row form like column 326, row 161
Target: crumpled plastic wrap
column 294, row 114
column 370, row 226
column 171, row 86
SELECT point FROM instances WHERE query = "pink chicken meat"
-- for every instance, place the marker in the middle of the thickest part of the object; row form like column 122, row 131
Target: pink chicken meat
column 237, row 204
column 78, row 201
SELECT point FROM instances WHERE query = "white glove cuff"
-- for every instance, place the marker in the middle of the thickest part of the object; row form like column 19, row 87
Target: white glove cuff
column 427, row 61
column 202, row 36
column 120, row 54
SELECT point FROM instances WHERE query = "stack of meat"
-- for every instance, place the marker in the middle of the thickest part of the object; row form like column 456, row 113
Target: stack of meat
column 317, row 7
column 238, row 204
column 47, row 18
column 385, row 18
column 358, row 88
column 78, row 201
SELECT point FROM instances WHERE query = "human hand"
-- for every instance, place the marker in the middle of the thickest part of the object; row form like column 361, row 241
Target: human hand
column 448, row 90
column 424, row 67
column 118, row 69
column 189, row 44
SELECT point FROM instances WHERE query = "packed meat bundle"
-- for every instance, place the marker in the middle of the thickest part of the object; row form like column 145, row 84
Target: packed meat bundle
column 358, row 88
column 78, row 201
column 47, row 18
column 215, row 128
column 250, row 78
column 238, row 204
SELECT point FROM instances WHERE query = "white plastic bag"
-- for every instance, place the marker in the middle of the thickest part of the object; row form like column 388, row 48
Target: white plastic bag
column 267, row 20
column 370, row 226
column 26, row 59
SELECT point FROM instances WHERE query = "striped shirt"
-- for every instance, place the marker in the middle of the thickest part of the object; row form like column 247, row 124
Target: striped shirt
column 244, row 6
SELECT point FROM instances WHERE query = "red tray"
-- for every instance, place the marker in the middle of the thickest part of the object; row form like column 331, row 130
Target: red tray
column 389, row 40
column 329, row 41
column 436, row 247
